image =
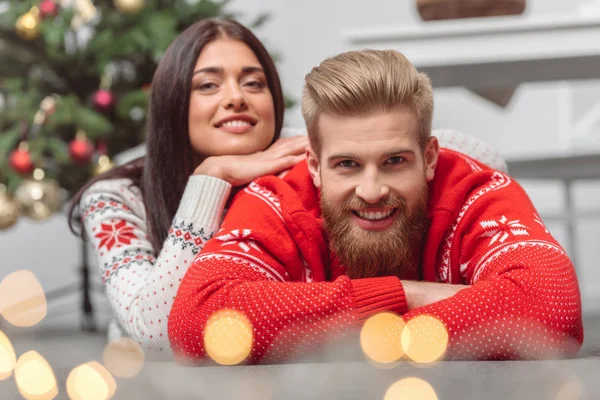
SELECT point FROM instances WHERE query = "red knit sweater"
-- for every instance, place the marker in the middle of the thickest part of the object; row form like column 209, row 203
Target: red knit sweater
column 271, row 262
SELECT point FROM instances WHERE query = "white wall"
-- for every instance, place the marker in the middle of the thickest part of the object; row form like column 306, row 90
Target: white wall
column 304, row 33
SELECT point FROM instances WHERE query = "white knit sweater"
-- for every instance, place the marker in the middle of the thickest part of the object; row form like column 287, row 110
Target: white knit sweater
column 141, row 285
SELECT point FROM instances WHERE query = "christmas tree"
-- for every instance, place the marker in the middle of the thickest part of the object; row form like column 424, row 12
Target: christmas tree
column 74, row 86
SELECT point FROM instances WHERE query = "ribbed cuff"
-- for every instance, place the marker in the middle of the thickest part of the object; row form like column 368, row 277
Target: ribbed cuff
column 374, row 295
column 203, row 200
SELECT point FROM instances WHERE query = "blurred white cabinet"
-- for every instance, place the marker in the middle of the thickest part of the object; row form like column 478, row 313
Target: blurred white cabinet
column 495, row 51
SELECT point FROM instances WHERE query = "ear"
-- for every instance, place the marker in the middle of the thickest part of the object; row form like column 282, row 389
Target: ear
column 313, row 166
column 430, row 156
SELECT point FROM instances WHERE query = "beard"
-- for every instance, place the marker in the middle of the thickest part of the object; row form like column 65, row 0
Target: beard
column 390, row 252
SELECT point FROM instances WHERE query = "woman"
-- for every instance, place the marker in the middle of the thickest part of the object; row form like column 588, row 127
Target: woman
column 216, row 105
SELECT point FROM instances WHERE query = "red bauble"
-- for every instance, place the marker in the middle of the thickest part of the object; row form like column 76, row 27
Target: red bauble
column 48, row 8
column 81, row 150
column 20, row 162
column 103, row 100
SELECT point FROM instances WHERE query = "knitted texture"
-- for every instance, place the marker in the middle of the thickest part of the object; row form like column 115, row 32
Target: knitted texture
column 270, row 261
column 140, row 284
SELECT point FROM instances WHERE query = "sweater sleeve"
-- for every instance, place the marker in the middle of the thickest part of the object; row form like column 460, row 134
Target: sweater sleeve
column 254, row 266
column 524, row 300
column 140, row 285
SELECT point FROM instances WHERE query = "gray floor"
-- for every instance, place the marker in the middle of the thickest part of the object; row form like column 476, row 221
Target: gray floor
column 557, row 380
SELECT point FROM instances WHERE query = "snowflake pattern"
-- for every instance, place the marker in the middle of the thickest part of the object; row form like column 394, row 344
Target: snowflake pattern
column 115, row 234
column 501, row 229
column 498, row 181
column 185, row 236
column 101, row 205
column 265, row 195
column 126, row 260
column 538, row 220
column 272, row 197
column 240, row 237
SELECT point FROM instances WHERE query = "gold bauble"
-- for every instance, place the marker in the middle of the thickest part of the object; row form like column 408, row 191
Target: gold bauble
column 130, row 6
column 38, row 198
column 104, row 164
column 28, row 24
column 9, row 209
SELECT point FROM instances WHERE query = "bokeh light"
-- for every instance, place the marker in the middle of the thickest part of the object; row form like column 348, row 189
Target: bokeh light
column 124, row 358
column 380, row 338
column 22, row 299
column 35, row 378
column 8, row 358
column 410, row 389
column 424, row 339
column 570, row 390
column 228, row 337
column 91, row 381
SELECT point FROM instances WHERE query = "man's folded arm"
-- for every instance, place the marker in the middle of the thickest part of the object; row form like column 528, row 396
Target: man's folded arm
column 255, row 269
column 523, row 301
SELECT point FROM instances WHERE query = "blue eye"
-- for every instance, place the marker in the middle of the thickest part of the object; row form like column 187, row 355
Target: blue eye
column 347, row 164
column 394, row 160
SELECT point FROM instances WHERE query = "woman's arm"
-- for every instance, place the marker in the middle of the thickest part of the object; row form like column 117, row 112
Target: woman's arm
column 141, row 285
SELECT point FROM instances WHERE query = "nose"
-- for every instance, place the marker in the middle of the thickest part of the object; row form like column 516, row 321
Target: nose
column 371, row 189
column 234, row 98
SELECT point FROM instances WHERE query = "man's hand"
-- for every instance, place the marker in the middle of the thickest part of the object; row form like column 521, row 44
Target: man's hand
column 419, row 294
column 242, row 169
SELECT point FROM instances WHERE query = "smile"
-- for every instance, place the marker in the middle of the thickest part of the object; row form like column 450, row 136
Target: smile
column 235, row 123
column 374, row 215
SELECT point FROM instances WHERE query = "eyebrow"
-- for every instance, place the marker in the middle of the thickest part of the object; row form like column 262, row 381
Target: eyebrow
column 355, row 157
column 219, row 70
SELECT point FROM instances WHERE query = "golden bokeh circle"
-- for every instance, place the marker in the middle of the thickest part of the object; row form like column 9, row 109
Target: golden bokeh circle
column 22, row 299
column 228, row 337
column 571, row 389
column 425, row 339
column 380, row 338
column 35, row 378
column 8, row 358
column 124, row 358
column 90, row 381
column 410, row 389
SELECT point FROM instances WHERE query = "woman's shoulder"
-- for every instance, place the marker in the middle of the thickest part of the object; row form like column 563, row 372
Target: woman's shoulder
column 121, row 191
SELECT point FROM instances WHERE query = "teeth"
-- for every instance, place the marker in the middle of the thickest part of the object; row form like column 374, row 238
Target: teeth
column 374, row 215
column 236, row 122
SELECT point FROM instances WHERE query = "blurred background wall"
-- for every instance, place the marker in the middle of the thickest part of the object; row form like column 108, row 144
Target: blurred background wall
column 304, row 33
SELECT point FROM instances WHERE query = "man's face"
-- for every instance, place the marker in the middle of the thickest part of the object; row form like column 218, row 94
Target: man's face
column 373, row 177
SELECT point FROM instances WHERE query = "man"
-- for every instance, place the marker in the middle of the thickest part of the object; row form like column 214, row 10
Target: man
column 380, row 219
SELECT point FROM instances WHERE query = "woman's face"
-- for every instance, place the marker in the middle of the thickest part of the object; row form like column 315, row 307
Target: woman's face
column 231, row 106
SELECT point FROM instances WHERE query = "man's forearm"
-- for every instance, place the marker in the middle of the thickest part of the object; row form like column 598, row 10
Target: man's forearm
column 419, row 294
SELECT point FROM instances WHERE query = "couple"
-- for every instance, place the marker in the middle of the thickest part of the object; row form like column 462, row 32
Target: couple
column 372, row 216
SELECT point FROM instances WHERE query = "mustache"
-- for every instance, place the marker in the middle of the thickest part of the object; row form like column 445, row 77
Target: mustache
column 356, row 203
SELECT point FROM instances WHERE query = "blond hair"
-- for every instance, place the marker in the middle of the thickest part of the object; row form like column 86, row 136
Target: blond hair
column 363, row 82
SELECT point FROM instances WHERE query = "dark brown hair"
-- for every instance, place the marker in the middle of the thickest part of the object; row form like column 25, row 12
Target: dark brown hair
column 169, row 161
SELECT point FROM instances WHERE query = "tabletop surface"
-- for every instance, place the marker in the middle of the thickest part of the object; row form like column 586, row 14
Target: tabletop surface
column 319, row 378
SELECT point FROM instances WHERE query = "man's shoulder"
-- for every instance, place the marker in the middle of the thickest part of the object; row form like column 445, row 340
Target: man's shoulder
column 295, row 191
column 283, row 194
column 460, row 180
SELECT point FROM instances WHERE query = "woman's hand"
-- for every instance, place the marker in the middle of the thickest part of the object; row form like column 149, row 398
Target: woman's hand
column 240, row 170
